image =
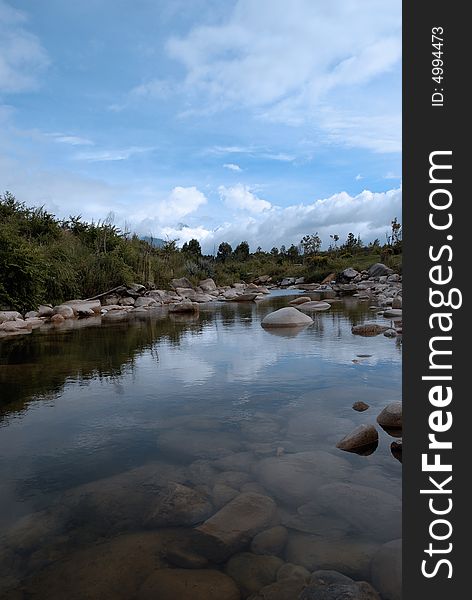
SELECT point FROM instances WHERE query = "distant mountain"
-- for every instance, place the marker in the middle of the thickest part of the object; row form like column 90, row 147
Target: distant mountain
column 156, row 242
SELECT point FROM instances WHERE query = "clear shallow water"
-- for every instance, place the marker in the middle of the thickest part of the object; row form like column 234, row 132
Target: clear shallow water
column 92, row 414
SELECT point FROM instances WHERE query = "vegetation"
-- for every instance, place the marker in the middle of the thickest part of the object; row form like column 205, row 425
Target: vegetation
column 45, row 259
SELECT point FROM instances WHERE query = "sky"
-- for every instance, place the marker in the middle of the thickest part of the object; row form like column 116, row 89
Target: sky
column 221, row 120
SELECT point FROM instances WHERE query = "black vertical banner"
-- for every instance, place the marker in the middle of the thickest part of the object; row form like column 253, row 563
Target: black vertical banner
column 437, row 250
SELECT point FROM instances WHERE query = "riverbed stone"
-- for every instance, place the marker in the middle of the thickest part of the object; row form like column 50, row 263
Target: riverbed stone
column 188, row 584
column 291, row 571
column 288, row 588
column 286, row 317
column 237, row 461
column 252, row 571
column 177, row 505
column 300, row 300
column 186, row 306
column 328, row 577
column 181, row 444
column 368, row 510
column 387, row 570
column 222, row 494
column 360, row 406
column 393, row 313
column 270, row 542
column 238, row 521
column 358, row 439
column 113, row 570
column 146, row 301
column 295, row 478
column 391, row 416
column 45, row 310
column 379, row 270
column 347, row 555
column 340, row 591
column 314, row 306
column 64, row 310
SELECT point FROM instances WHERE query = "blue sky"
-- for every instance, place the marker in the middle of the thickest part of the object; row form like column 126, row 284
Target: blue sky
column 222, row 120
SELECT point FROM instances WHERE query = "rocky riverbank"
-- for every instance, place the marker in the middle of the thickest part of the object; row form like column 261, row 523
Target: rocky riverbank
column 378, row 285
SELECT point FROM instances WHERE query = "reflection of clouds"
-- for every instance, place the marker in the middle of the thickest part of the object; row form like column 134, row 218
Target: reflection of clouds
column 243, row 350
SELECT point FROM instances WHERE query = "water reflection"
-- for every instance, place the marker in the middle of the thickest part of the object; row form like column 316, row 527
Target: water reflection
column 117, row 434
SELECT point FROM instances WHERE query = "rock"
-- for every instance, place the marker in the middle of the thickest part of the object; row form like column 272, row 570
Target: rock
column 188, row 293
column 178, row 444
column 300, row 300
column 360, row 406
column 146, row 301
column 288, row 588
column 135, row 289
column 207, row 285
column 329, row 279
column 369, row 329
column 65, row 311
column 270, row 542
column 183, row 282
column 14, row 326
column 84, row 307
column 252, row 571
column 390, row 333
column 359, row 439
column 349, row 273
column 346, row 555
column 222, row 494
column 314, row 305
column 295, row 478
column 340, row 591
column 325, row 577
column 289, row 570
column 57, row 319
column 393, row 313
column 397, row 302
column 387, row 570
column 238, row 461
column 379, row 269
column 391, row 416
column 369, row 511
column 186, row 306
column 239, row 521
column 112, row 570
column 183, row 584
column 9, row 315
column 396, row 449
column 286, row 317
column 202, row 298
column 234, row 479
column 45, row 311
column 34, row 322
column 393, row 278
column 127, row 301
column 184, row 557
column 31, row 314
column 177, row 506
column 287, row 281
column 244, row 297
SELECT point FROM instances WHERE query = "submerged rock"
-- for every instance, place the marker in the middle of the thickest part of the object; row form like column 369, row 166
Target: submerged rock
column 360, row 406
column 188, row 584
column 369, row 329
column 391, row 416
column 286, row 317
column 252, row 571
column 238, row 521
column 178, row 505
column 314, row 306
column 270, row 542
column 340, row 591
column 387, row 570
column 288, row 588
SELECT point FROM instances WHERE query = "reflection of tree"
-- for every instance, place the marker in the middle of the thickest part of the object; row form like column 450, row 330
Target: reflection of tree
column 39, row 365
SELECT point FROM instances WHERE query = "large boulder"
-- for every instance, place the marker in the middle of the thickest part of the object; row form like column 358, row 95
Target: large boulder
column 252, row 571
column 182, row 282
column 286, row 317
column 145, row 301
column 186, row 306
column 379, row 270
column 247, row 297
column 391, row 416
column 300, row 300
column 349, row 273
column 361, row 438
column 271, row 541
column 387, row 570
column 207, row 285
column 188, row 584
column 9, row 315
column 64, row 310
column 84, row 307
column 237, row 522
column 45, row 311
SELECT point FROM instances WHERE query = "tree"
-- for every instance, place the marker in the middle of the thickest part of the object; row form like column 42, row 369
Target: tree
column 283, row 251
column 192, row 248
column 241, row 252
column 293, row 253
column 274, row 251
column 335, row 238
column 224, row 252
column 311, row 244
column 351, row 242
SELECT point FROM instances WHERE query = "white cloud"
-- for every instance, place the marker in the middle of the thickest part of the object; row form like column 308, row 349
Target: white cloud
column 111, row 155
column 358, row 177
column 73, row 140
column 22, row 57
column 181, row 202
column 232, row 167
column 391, row 175
column 286, row 65
column 241, row 197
